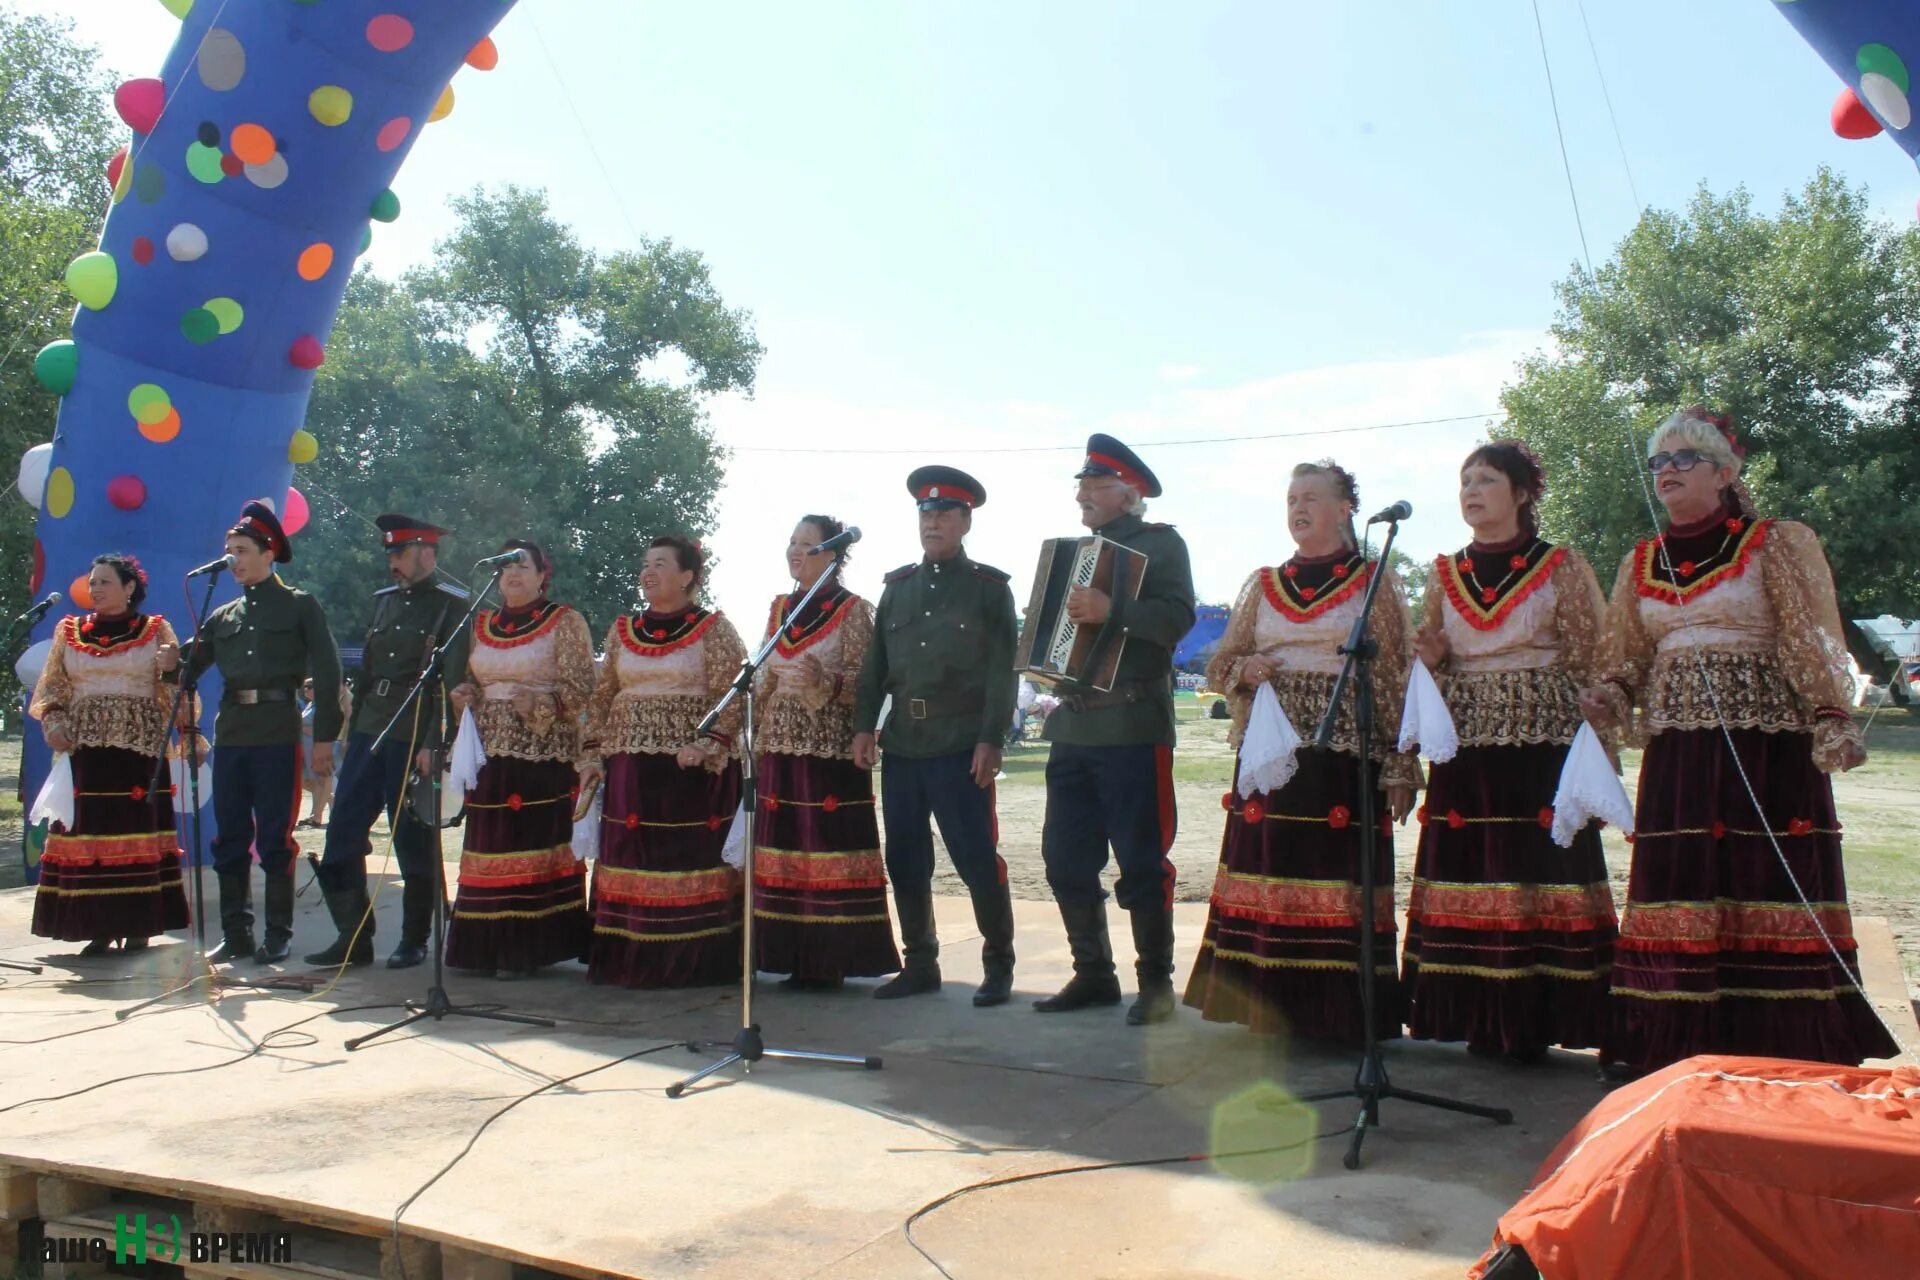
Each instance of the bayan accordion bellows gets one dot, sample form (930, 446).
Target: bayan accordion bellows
(1054, 649)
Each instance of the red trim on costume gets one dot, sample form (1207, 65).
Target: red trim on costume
(1122, 472)
(1163, 794)
(484, 633)
(1481, 617)
(1652, 587)
(642, 645)
(1280, 591)
(145, 633)
(946, 493)
(431, 537)
(787, 645)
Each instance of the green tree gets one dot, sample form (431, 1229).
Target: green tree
(1805, 325)
(514, 388)
(56, 136)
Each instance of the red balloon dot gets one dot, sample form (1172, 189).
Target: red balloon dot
(393, 133)
(127, 492)
(389, 33)
(115, 165)
(231, 165)
(142, 250)
(39, 568)
(307, 353)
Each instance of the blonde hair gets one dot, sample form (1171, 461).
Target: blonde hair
(1345, 488)
(1690, 431)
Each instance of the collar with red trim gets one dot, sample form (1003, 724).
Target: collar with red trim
(1485, 586)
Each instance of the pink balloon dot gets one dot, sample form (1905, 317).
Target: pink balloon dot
(389, 33)
(393, 133)
(307, 353)
(126, 492)
(294, 512)
(142, 250)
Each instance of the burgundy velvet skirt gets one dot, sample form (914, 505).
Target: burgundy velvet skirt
(116, 872)
(522, 898)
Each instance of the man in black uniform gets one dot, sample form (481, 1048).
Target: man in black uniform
(411, 618)
(1110, 772)
(943, 649)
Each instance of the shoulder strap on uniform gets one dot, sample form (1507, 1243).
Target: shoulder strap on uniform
(457, 592)
(904, 571)
(988, 571)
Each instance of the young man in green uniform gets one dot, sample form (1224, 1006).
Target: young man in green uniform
(266, 644)
(943, 649)
(411, 618)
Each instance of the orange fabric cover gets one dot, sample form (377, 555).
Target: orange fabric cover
(1735, 1168)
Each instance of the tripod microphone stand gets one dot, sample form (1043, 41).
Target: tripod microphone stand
(1370, 1082)
(747, 1047)
(437, 1006)
(202, 968)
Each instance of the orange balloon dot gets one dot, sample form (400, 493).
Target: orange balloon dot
(484, 56)
(81, 592)
(253, 144)
(164, 430)
(315, 261)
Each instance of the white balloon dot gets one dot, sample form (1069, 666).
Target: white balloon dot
(1886, 99)
(186, 243)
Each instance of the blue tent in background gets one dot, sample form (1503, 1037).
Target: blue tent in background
(1209, 624)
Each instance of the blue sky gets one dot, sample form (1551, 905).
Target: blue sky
(999, 225)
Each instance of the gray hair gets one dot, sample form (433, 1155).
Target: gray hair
(1136, 503)
(1687, 430)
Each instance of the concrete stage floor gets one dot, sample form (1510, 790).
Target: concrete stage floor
(800, 1169)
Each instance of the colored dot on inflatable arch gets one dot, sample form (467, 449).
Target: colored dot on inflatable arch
(232, 166)
(39, 568)
(80, 591)
(306, 352)
(1879, 60)
(386, 207)
(393, 133)
(484, 56)
(389, 33)
(208, 133)
(149, 183)
(269, 175)
(330, 105)
(93, 279)
(142, 399)
(222, 62)
(115, 167)
(203, 162)
(163, 431)
(186, 243)
(142, 250)
(178, 8)
(59, 498)
(444, 107)
(128, 493)
(366, 241)
(200, 326)
(57, 365)
(1885, 96)
(303, 448)
(315, 261)
(252, 143)
(228, 312)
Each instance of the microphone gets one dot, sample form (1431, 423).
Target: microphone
(39, 608)
(505, 558)
(212, 566)
(1394, 514)
(845, 538)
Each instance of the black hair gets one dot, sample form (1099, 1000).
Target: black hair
(128, 570)
(1523, 469)
(829, 528)
(541, 560)
(686, 552)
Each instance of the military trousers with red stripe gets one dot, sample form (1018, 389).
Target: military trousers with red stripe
(256, 795)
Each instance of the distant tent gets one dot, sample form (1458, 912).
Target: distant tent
(1209, 624)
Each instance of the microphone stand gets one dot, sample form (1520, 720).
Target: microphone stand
(747, 1047)
(437, 1005)
(1370, 1082)
(6, 647)
(202, 968)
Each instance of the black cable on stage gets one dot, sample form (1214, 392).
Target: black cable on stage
(265, 1043)
(1101, 1167)
(80, 1031)
(398, 1253)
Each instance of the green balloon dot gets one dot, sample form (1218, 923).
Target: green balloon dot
(366, 241)
(200, 325)
(1878, 59)
(226, 311)
(144, 395)
(56, 366)
(386, 207)
(149, 183)
(203, 162)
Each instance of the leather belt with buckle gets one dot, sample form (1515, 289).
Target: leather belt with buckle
(936, 708)
(249, 697)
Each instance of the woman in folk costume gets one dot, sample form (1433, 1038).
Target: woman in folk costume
(522, 901)
(1725, 655)
(1281, 949)
(819, 881)
(114, 873)
(666, 909)
(1509, 936)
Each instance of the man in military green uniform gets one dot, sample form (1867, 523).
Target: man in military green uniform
(943, 650)
(266, 644)
(1110, 771)
(411, 618)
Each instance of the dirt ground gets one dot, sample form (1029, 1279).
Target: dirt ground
(1877, 804)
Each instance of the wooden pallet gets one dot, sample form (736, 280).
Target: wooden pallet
(36, 1207)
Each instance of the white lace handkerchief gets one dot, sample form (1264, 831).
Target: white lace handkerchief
(1269, 749)
(1589, 789)
(1425, 723)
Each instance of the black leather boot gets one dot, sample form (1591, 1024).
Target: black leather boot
(1093, 981)
(919, 945)
(236, 918)
(354, 945)
(278, 941)
(416, 922)
(1153, 964)
(993, 913)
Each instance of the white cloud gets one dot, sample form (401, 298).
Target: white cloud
(1179, 372)
(1225, 497)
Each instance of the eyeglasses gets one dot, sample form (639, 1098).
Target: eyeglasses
(1679, 460)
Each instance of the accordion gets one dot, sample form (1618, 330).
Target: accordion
(1054, 649)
